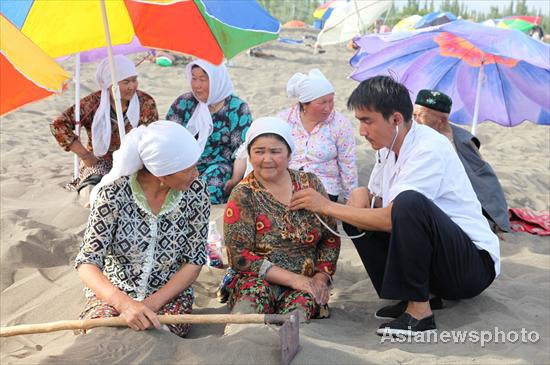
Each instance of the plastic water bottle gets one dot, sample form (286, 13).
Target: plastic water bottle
(214, 246)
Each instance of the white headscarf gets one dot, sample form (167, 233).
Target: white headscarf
(163, 147)
(266, 125)
(101, 125)
(308, 87)
(220, 87)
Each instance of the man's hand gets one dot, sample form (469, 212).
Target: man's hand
(309, 199)
(359, 198)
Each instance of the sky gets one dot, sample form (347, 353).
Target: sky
(485, 5)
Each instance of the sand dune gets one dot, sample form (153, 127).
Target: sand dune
(42, 224)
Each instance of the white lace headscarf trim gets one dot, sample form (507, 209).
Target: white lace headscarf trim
(101, 125)
(220, 87)
(308, 87)
(163, 147)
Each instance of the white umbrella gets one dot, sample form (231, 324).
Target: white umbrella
(350, 20)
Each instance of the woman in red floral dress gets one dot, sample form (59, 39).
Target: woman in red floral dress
(284, 260)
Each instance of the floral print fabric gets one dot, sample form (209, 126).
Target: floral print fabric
(259, 230)
(263, 299)
(328, 151)
(230, 125)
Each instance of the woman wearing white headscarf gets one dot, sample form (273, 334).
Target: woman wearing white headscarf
(145, 242)
(98, 117)
(324, 138)
(218, 118)
(284, 260)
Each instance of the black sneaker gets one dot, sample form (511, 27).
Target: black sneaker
(408, 326)
(395, 310)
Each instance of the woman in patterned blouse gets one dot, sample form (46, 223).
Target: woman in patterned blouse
(324, 138)
(98, 117)
(145, 242)
(219, 118)
(284, 259)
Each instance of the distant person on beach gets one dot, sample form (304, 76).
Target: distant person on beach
(218, 118)
(284, 260)
(145, 242)
(380, 27)
(324, 138)
(98, 117)
(432, 108)
(424, 230)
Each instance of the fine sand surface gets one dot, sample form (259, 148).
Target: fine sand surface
(42, 225)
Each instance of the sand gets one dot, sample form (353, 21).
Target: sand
(42, 225)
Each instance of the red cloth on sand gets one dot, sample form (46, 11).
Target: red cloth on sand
(530, 221)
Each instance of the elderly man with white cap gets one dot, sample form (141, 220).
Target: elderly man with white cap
(145, 242)
(324, 138)
(98, 117)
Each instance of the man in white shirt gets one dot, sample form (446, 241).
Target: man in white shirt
(425, 228)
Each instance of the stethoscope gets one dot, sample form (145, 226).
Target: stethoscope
(374, 196)
(383, 164)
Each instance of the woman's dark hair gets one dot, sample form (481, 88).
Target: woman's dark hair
(271, 135)
(383, 95)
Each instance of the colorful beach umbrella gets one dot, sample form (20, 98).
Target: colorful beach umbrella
(491, 74)
(406, 24)
(528, 18)
(351, 19)
(517, 24)
(323, 12)
(21, 81)
(435, 18)
(208, 29)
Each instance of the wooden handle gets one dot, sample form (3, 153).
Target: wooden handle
(87, 324)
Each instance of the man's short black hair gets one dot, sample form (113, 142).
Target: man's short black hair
(383, 95)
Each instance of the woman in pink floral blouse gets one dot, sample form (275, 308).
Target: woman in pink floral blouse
(323, 137)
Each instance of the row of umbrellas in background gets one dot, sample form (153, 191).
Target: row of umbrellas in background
(492, 73)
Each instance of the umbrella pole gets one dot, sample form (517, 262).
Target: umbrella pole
(359, 21)
(478, 94)
(116, 91)
(76, 109)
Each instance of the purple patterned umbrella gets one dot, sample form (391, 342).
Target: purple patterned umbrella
(491, 74)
